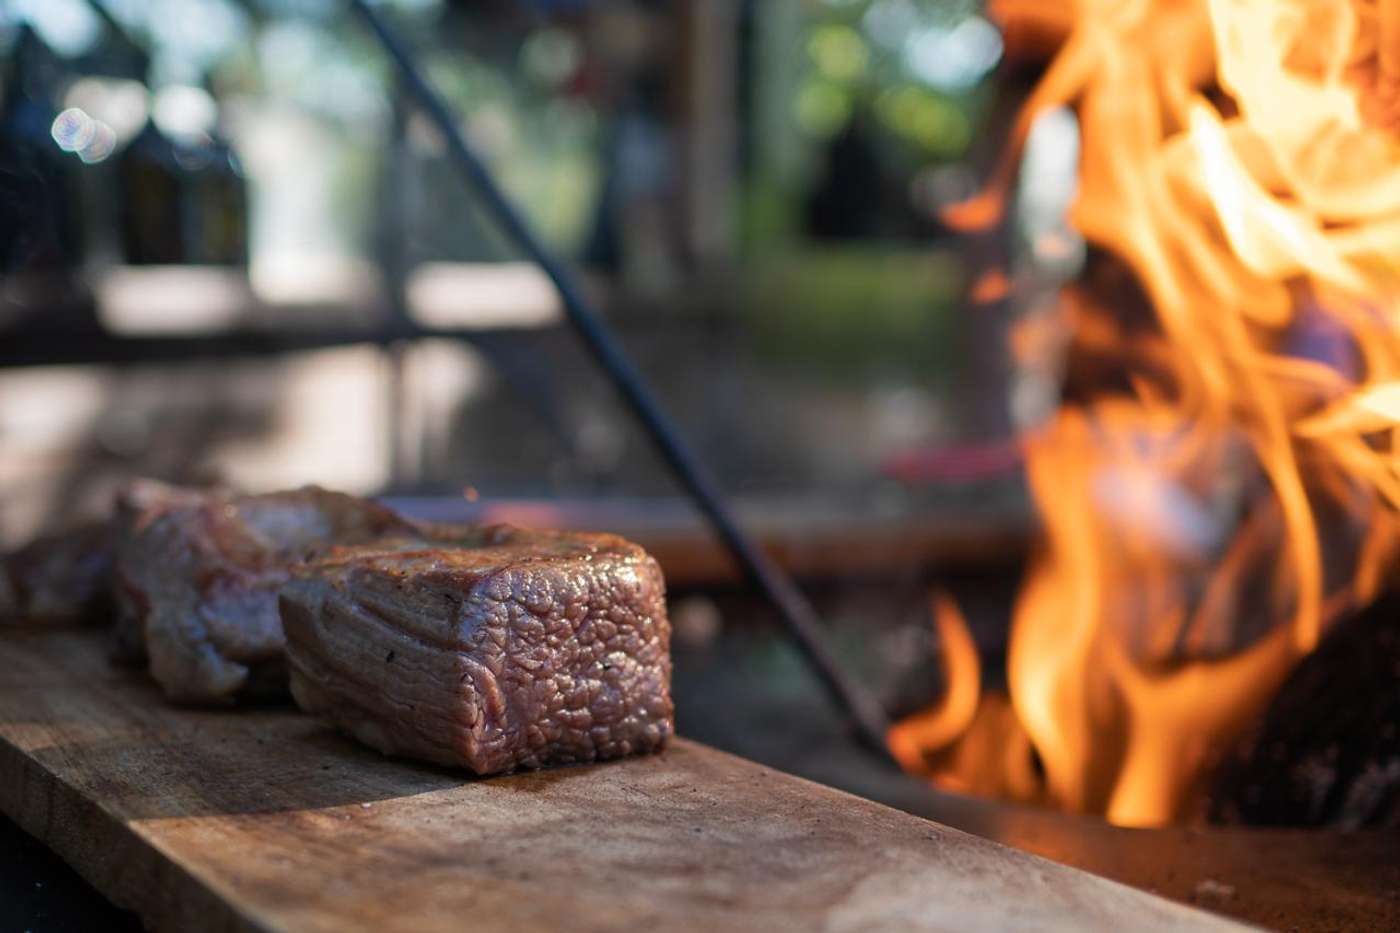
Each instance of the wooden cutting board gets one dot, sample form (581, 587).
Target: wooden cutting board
(264, 819)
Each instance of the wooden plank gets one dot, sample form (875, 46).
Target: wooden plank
(264, 819)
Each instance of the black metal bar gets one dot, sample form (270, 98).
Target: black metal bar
(796, 612)
(391, 249)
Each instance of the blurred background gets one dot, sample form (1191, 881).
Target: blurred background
(232, 250)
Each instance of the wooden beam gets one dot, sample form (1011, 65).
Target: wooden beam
(807, 539)
(264, 819)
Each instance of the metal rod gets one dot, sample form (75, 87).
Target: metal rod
(796, 612)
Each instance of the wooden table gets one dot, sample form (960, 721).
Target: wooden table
(264, 819)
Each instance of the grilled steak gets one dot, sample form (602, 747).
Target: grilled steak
(60, 577)
(67, 575)
(10, 603)
(137, 505)
(201, 579)
(504, 648)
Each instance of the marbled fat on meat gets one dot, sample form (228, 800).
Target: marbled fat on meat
(508, 649)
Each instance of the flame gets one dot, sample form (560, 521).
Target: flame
(962, 674)
(967, 738)
(1240, 158)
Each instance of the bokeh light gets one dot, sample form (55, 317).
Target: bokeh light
(69, 27)
(823, 108)
(957, 58)
(551, 56)
(123, 105)
(926, 118)
(183, 111)
(77, 132)
(839, 52)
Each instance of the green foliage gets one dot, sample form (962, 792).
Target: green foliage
(850, 312)
(854, 56)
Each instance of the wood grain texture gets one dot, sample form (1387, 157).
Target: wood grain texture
(264, 819)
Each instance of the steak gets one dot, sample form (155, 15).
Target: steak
(11, 608)
(138, 504)
(489, 648)
(67, 575)
(59, 577)
(199, 580)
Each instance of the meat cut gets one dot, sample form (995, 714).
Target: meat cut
(489, 648)
(59, 577)
(199, 579)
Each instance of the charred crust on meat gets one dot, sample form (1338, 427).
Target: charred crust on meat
(552, 648)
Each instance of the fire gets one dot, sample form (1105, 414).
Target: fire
(939, 726)
(990, 748)
(1240, 158)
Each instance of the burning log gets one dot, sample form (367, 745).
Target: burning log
(1221, 473)
(1374, 66)
(1327, 751)
(1389, 42)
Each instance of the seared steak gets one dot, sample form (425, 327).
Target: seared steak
(201, 578)
(10, 603)
(137, 505)
(503, 648)
(67, 575)
(60, 577)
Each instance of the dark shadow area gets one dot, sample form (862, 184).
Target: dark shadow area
(41, 894)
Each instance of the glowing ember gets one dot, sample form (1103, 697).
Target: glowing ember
(1239, 157)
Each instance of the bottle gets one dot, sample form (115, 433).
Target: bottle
(40, 230)
(183, 196)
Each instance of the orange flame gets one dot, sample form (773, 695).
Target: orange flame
(962, 674)
(967, 740)
(1238, 156)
